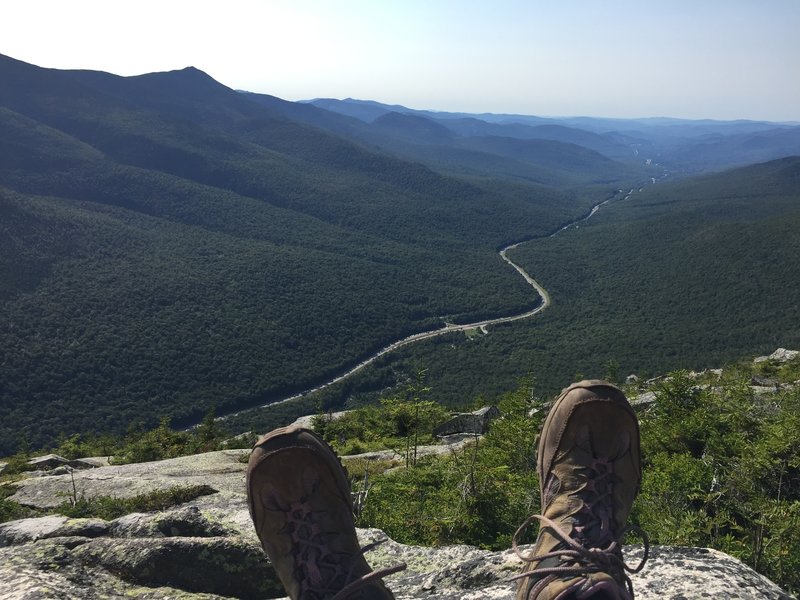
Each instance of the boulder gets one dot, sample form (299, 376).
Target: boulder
(231, 566)
(781, 355)
(79, 463)
(643, 400)
(48, 461)
(784, 355)
(183, 522)
(761, 381)
(29, 530)
(308, 420)
(76, 568)
(96, 461)
(53, 464)
(476, 422)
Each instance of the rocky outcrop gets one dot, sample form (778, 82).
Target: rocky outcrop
(781, 355)
(208, 549)
(54, 461)
(222, 470)
(308, 420)
(137, 557)
(476, 422)
(54, 557)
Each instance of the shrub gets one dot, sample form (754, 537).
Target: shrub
(478, 496)
(111, 507)
(10, 510)
(722, 469)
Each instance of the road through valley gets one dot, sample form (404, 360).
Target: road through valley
(451, 327)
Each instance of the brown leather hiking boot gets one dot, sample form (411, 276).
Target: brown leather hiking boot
(300, 503)
(589, 466)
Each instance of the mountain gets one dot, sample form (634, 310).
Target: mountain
(369, 110)
(713, 151)
(603, 144)
(169, 245)
(469, 146)
(684, 147)
(364, 110)
(414, 128)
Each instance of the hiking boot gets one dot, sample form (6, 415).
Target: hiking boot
(300, 503)
(589, 467)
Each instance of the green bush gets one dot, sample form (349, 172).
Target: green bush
(722, 469)
(111, 507)
(478, 496)
(10, 510)
(17, 464)
(671, 504)
(400, 424)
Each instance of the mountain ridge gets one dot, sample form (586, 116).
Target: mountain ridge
(662, 139)
(230, 218)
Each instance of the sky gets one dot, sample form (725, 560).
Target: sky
(720, 59)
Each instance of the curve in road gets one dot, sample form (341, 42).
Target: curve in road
(450, 328)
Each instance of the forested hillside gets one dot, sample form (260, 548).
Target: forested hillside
(168, 245)
(680, 275)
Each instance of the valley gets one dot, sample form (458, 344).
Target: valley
(543, 302)
(169, 246)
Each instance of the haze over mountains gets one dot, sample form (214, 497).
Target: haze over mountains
(169, 245)
(690, 146)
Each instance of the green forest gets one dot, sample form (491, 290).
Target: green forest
(682, 275)
(170, 246)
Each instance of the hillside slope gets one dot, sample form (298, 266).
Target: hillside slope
(680, 275)
(168, 245)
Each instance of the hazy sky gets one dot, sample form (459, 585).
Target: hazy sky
(721, 59)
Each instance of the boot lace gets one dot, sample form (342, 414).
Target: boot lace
(581, 560)
(594, 547)
(323, 574)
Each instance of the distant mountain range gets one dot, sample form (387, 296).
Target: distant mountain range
(169, 245)
(679, 144)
